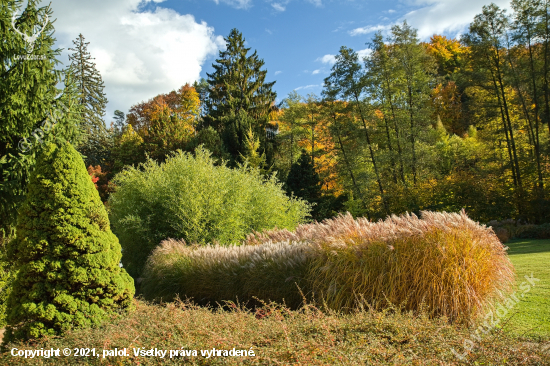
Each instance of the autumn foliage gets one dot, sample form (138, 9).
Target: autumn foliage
(166, 122)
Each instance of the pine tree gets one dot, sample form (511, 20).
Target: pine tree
(239, 98)
(93, 102)
(30, 110)
(66, 257)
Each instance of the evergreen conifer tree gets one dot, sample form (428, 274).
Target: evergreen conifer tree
(31, 112)
(95, 145)
(254, 159)
(304, 182)
(239, 98)
(66, 257)
(119, 123)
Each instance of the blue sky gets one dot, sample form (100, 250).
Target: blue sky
(146, 47)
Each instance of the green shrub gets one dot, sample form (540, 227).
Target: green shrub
(444, 263)
(66, 257)
(535, 232)
(6, 279)
(190, 198)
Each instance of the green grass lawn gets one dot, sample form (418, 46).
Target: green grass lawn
(531, 316)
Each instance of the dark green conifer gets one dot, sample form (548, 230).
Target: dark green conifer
(239, 98)
(31, 110)
(66, 257)
(95, 145)
(304, 182)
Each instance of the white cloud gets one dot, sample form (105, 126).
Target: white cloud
(239, 4)
(318, 3)
(368, 29)
(307, 87)
(364, 53)
(315, 72)
(278, 72)
(139, 54)
(327, 59)
(391, 11)
(278, 7)
(438, 16)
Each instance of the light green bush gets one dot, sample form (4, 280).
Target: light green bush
(192, 199)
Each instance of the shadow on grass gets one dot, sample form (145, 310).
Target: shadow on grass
(527, 246)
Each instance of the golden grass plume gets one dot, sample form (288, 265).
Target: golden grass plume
(444, 263)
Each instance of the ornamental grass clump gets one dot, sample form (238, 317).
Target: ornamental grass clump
(65, 257)
(214, 273)
(443, 262)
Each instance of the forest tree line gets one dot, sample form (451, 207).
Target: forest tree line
(439, 125)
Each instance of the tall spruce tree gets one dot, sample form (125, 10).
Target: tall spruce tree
(239, 98)
(95, 145)
(31, 110)
(119, 122)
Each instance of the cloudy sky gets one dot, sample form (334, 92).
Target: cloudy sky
(146, 47)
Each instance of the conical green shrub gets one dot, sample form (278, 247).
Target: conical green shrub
(66, 257)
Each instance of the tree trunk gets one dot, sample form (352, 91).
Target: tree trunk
(375, 166)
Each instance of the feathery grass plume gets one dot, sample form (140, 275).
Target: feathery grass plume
(213, 273)
(446, 261)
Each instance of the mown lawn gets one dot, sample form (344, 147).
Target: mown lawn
(279, 336)
(531, 316)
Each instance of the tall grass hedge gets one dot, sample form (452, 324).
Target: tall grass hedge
(190, 198)
(443, 263)
(215, 273)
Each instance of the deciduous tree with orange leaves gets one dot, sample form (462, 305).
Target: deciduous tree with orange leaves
(166, 122)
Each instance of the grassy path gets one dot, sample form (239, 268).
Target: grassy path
(531, 316)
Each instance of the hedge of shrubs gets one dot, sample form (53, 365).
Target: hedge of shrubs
(511, 229)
